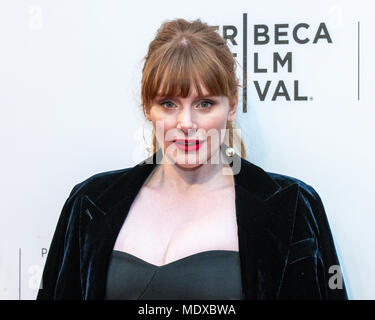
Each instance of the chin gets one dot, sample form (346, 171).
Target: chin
(189, 160)
(186, 161)
(187, 167)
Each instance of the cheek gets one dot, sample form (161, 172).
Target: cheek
(214, 125)
(166, 125)
(215, 121)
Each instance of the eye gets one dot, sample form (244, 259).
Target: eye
(164, 103)
(208, 104)
(205, 104)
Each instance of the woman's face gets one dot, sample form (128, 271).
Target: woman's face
(192, 118)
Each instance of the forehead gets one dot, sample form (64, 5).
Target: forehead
(192, 91)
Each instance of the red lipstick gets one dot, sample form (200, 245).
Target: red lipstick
(188, 144)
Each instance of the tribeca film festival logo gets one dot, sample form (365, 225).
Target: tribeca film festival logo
(279, 35)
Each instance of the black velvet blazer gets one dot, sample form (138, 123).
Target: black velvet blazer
(285, 242)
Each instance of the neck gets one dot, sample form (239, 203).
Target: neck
(205, 177)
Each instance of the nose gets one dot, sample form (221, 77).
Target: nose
(185, 120)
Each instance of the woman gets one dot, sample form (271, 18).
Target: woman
(195, 220)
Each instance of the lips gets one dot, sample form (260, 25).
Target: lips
(186, 141)
(187, 145)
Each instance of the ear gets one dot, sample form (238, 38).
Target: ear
(233, 110)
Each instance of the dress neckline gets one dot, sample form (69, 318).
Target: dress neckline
(194, 255)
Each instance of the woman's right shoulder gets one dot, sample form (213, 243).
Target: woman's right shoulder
(97, 182)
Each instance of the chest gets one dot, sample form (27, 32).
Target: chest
(161, 228)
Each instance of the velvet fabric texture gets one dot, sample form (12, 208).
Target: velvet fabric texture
(285, 242)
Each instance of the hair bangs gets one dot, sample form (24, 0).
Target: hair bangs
(184, 66)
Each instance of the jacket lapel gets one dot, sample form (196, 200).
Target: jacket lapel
(264, 231)
(265, 218)
(265, 215)
(102, 219)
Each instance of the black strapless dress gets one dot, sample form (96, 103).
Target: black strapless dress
(210, 275)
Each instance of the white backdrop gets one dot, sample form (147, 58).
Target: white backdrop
(70, 92)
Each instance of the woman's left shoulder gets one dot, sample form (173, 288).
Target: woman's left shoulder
(276, 182)
(310, 215)
(304, 188)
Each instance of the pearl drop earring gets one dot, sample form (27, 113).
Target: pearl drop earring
(230, 152)
(148, 147)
